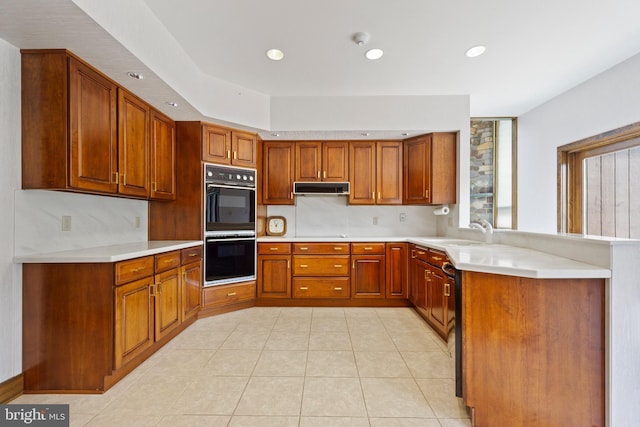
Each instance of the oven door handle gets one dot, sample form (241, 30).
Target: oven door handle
(228, 239)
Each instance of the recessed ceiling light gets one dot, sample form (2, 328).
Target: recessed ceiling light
(475, 51)
(172, 104)
(365, 134)
(374, 53)
(405, 133)
(275, 54)
(135, 75)
(275, 134)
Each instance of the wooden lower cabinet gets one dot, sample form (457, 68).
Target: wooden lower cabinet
(396, 280)
(86, 325)
(226, 296)
(368, 270)
(274, 270)
(430, 290)
(533, 350)
(321, 287)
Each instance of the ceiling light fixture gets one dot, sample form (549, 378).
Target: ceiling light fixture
(365, 134)
(474, 51)
(374, 54)
(360, 38)
(172, 104)
(275, 134)
(274, 54)
(135, 75)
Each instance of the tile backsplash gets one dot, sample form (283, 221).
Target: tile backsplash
(329, 216)
(95, 221)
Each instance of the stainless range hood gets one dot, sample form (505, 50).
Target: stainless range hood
(321, 188)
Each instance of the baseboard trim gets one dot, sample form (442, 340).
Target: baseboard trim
(11, 388)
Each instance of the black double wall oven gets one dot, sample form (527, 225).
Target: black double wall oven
(230, 225)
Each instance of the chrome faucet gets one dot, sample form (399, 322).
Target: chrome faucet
(485, 227)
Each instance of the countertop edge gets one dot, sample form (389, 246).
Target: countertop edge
(106, 254)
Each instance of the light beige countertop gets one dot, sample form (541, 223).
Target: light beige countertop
(483, 257)
(111, 253)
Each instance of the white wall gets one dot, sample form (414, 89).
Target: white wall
(10, 274)
(606, 102)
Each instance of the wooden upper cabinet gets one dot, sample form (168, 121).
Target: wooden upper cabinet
(228, 147)
(133, 145)
(389, 173)
(430, 169)
(93, 150)
(278, 173)
(243, 149)
(163, 157)
(216, 144)
(375, 170)
(362, 173)
(322, 161)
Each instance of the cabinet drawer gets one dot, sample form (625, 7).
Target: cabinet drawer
(127, 271)
(167, 261)
(368, 248)
(328, 265)
(274, 248)
(321, 248)
(420, 253)
(191, 254)
(436, 258)
(223, 295)
(314, 287)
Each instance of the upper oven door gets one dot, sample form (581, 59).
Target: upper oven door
(229, 208)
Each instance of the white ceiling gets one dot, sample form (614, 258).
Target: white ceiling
(535, 50)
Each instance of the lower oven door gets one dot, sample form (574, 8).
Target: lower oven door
(229, 260)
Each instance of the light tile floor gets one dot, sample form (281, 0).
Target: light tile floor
(307, 367)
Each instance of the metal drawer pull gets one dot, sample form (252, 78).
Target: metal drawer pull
(368, 248)
(447, 290)
(303, 266)
(337, 289)
(273, 249)
(337, 265)
(136, 270)
(192, 254)
(437, 258)
(231, 294)
(304, 249)
(337, 248)
(303, 288)
(170, 260)
(421, 252)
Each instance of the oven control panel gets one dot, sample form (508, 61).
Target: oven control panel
(215, 174)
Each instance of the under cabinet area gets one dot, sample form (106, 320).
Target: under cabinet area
(86, 325)
(84, 133)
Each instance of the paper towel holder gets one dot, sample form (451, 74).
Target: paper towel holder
(442, 210)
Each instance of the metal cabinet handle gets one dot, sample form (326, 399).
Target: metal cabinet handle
(304, 248)
(437, 258)
(447, 290)
(337, 248)
(337, 289)
(273, 249)
(192, 254)
(337, 265)
(368, 248)
(303, 288)
(304, 265)
(137, 270)
(231, 294)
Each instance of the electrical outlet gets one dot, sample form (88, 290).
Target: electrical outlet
(403, 217)
(137, 222)
(66, 223)
(375, 220)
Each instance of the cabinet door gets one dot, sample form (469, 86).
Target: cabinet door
(420, 285)
(168, 308)
(389, 173)
(396, 266)
(191, 289)
(436, 300)
(274, 276)
(443, 168)
(335, 161)
(243, 147)
(367, 276)
(362, 173)
(308, 161)
(278, 173)
(133, 145)
(134, 320)
(216, 145)
(416, 170)
(163, 157)
(93, 161)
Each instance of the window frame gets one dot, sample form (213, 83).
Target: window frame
(570, 171)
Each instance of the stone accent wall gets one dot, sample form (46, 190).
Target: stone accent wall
(482, 159)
